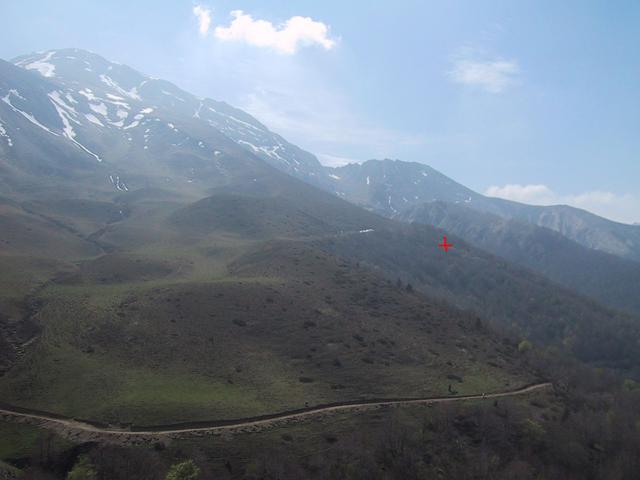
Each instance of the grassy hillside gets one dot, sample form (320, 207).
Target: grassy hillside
(268, 295)
(221, 308)
(240, 304)
(512, 297)
(285, 326)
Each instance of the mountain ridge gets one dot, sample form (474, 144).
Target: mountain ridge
(393, 185)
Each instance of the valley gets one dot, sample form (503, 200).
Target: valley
(179, 282)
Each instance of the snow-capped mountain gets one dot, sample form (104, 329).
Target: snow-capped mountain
(108, 111)
(114, 91)
(392, 186)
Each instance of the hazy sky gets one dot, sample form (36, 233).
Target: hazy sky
(537, 101)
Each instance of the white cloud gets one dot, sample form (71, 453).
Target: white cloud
(534, 194)
(285, 38)
(204, 18)
(491, 75)
(622, 208)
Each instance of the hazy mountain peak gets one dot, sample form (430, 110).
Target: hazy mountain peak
(75, 66)
(96, 104)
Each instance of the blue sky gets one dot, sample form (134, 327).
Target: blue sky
(536, 101)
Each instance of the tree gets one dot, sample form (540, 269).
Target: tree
(534, 431)
(524, 346)
(186, 470)
(115, 462)
(82, 470)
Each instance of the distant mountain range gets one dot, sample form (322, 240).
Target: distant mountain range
(393, 187)
(87, 96)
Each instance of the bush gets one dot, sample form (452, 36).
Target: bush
(524, 346)
(533, 431)
(82, 470)
(186, 470)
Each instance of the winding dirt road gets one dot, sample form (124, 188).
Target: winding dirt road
(248, 424)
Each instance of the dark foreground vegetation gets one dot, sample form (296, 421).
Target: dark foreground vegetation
(587, 427)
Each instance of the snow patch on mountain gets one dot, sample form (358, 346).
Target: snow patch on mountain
(119, 184)
(7, 99)
(41, 65)
(272, 152)
(3, 133)
(236, 120)
(197, 113)
(390, 205)
(119, 103)
(67, 114)
(99, 108)
(88, 94)
(122, 115)
(133, 93)
(269, 151)
(93, 119)
(136, 121)
(169, 94)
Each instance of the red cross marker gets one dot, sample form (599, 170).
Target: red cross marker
(444, 245)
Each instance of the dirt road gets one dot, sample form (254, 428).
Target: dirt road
(70, 425)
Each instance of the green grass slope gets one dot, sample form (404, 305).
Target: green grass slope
(510, 296)
(287, 325)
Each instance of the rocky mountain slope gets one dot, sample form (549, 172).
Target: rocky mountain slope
(109, 113)
(391, 187)
(607, 278)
